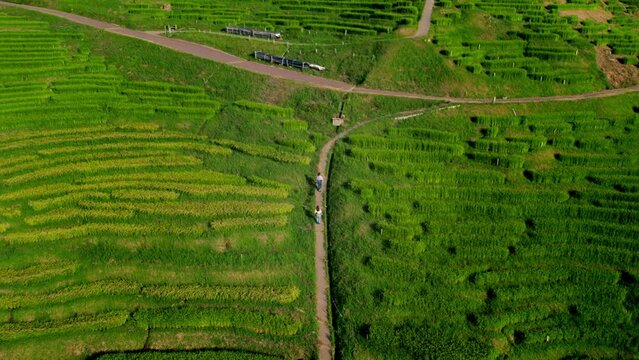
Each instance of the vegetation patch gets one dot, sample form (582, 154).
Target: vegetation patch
(111, 213)
(474, 248)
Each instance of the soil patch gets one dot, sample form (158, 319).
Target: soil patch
(597, 15)
(618, 74)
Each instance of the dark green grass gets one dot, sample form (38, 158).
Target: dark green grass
(409, 296)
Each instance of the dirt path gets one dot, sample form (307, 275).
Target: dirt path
(276, 71)
(424, 22)
(321, 265)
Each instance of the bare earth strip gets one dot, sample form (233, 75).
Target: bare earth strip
(424, 22)
(216, 55)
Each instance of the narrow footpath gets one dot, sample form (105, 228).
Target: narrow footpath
(424, 22)
(321, 265)
(275, 71)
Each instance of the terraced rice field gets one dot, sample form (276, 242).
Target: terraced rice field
(354, 17)
(121, 231)
(535, 40)
(289, 16)
(46, 84)
(485, 236)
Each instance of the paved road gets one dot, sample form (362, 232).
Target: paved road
(424, 22)
(276, 71)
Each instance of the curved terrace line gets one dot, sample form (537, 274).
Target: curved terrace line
(209, 53)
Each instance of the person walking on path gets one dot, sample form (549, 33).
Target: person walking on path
(318, 214)
(319, 180)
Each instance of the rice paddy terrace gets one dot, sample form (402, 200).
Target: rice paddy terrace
(536, 40)
(145, 218)
(133, 217)
(355, 17)
(484, 236)
(478, 49)
(293, 16)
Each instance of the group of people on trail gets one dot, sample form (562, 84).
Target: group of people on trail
(319, 180)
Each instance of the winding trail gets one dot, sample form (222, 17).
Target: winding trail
(321, 265)
(206, 52)
(275, 71)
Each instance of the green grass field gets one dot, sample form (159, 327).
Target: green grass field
(154, 205)
(481, 49)
(152, 201)
(135, 214)
(489, 232)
